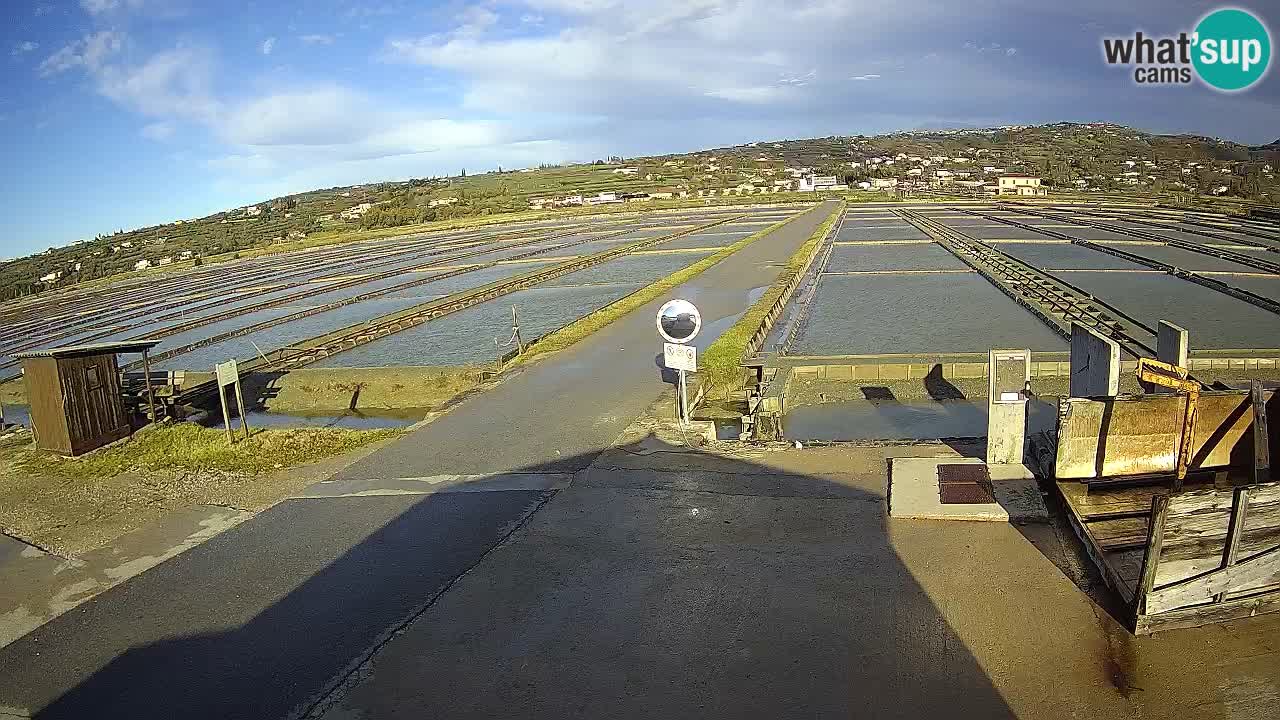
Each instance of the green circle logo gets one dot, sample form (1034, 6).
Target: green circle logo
(1232, 49)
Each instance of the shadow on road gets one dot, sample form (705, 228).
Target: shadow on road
(707, 587)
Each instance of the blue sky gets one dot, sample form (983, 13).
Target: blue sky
(122, 113)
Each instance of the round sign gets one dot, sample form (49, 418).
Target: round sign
(679, 321)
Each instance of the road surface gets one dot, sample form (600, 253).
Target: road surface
(257, 622)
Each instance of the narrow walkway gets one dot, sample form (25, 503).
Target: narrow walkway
(256, 622)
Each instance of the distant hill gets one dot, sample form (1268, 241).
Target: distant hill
(1074, 156)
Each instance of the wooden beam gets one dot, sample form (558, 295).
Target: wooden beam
(1260, 604)
(151, 398)
(1198, 589)
(1151, 556)
(1261, 439)
(1239, 513)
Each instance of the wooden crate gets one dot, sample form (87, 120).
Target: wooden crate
(1185, 559)
(1205, 553)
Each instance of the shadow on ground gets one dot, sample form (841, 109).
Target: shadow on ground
(722, 590)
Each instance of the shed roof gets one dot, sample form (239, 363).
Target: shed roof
(125, 346)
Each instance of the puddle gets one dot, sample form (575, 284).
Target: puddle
(17, 415)
(903, 420)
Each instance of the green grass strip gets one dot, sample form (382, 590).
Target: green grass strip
(721, 364)
(588, 324)
(187, 446)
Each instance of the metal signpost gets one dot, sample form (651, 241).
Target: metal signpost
(678, 323)
(229, 374)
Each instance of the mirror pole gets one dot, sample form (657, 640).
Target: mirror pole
(683, 399)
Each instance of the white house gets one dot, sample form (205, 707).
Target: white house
(142, 265)
(604, 198)
(167, 260)
(1019, 185)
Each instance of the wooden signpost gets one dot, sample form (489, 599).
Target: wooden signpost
(229, 375)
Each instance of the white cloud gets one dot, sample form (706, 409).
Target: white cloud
(871, 76)
(43, 10)
(612, 58)
(757, 94)
(24, 47)
(158, 131)
(171, 83)
(97, 7)
(316, 39)
(328, 115)
(268, 45)
(90, 52)
(100, 7)
(994, 47)
(799, 80)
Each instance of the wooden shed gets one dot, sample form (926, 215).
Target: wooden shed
(75, 395)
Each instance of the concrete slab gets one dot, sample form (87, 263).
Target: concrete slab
(39, 586)
(913, 493)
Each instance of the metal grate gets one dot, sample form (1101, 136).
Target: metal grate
(966, 484)
(963, 473)
(965, 494)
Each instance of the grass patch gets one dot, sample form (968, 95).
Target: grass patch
(190, 447)
(588, 324)
(720, 365)
(334, 389)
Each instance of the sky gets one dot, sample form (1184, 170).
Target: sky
(116, 114)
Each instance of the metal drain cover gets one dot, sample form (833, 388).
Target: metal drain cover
(963, 473)
(966, 484)
(965, 494)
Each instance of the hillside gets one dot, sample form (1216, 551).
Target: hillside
(1095, 157)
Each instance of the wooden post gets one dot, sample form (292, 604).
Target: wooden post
(151, 398)
(1261, 438)
(1151, 555)
(1185, 445)
(515, 331)
(1239, 511)
(226, 416)
(244, 418)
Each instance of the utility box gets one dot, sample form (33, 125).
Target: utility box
(1008, 375)
(75, 395)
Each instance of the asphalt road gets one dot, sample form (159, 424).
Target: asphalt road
(257, 622)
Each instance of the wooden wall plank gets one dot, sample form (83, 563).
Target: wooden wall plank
(1143, 433)
(1264, 567)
